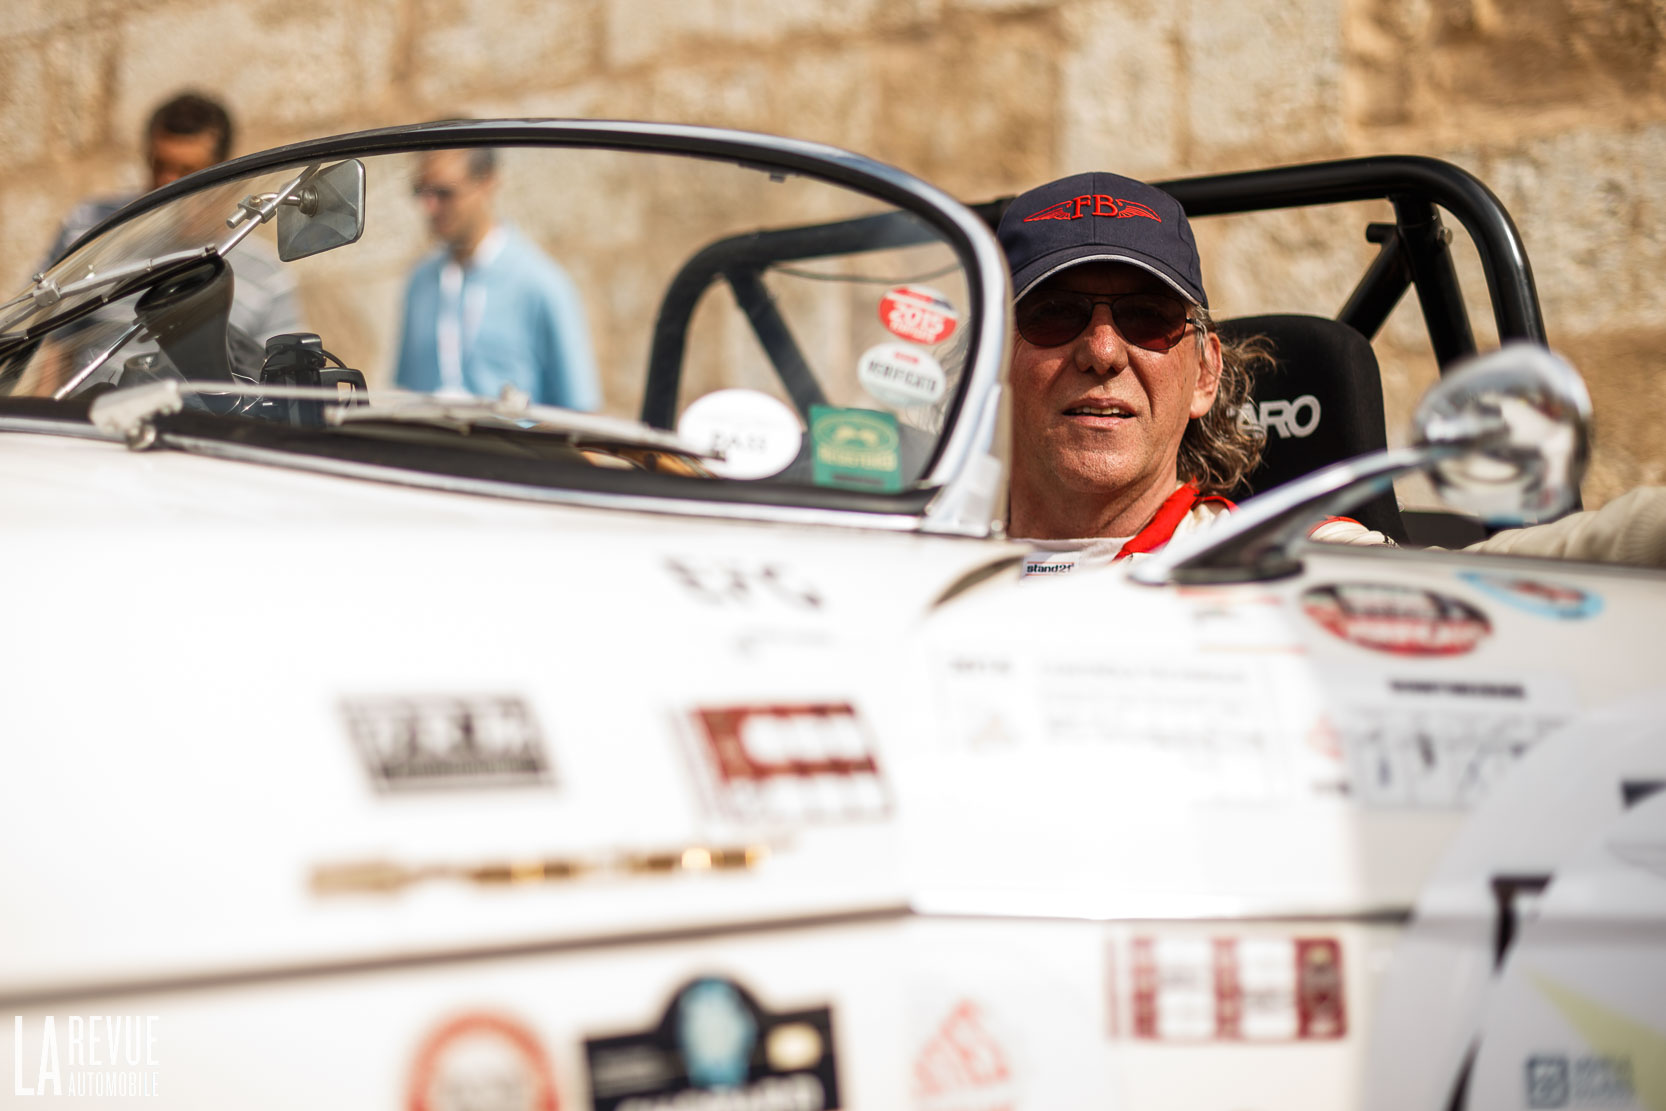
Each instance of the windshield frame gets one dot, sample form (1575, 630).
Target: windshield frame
(938, 498)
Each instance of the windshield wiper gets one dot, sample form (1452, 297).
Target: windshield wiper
(131, 413)
(131, 277)
(513, 409)
(45, 292)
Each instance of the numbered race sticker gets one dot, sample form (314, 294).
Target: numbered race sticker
(918, 313)
(901, 376)
(717, 1048)
(757, 435)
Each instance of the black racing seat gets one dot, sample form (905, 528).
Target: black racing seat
(1323, 402)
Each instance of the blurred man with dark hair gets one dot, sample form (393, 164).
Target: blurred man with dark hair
(487, 308)
(186, 133)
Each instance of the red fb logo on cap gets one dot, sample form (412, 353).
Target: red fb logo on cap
(1094, 204)
(918, 313)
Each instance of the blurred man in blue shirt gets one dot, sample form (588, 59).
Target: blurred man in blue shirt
(487, 308)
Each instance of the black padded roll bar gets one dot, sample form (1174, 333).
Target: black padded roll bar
(1414, 254)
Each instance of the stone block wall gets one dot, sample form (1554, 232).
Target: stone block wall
(1559, 105)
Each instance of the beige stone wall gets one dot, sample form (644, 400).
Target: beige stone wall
(1560, 105)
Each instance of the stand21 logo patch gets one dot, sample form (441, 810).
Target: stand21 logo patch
(715, 1049)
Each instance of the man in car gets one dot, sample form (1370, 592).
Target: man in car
(186, 133)
(487, 308)
(1125, 402)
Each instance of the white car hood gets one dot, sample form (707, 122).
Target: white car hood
(191, 630)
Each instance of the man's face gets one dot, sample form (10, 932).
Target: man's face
(458, 205)
(1097, 416)
(173, 156)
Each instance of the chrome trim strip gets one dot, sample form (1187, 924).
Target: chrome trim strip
(1166, 907)
(246, 977)
(588, 499)
(881, 915)
(78, 429)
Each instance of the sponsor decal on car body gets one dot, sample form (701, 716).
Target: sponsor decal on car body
(1538, 596)
(418, 742)
(1249, 989)
(482, 1062)
(811, 762)
(1401, 620)
(716, 1049)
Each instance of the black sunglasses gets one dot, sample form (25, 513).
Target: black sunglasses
(1054, 317)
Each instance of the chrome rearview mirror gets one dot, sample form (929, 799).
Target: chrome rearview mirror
(1526, 415)
(325, 213)
(1504, 436)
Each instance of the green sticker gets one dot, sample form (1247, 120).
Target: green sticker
(856, 449)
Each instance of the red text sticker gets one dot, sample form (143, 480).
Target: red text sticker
(918, 313)
(1251, 989)
(963, 1066)
(791, 763)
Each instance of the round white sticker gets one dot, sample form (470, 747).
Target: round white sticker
(899, 375)
(757, 435)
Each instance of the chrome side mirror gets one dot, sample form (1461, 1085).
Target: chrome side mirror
(1526, 414)
(325, 213)
(1505, 436)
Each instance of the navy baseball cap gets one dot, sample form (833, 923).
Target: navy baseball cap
(1098, 217)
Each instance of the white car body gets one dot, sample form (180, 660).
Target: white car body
(1022, 844)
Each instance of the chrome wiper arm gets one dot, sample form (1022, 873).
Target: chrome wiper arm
(46, 292)
(513, 409)
(252, 211)
(130, 413)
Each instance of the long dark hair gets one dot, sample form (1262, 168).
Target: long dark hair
(1221, 448)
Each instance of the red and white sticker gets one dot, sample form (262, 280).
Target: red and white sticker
(1249, 989)
(901, 376)
(918, 313)
(963, 1066)
(790, 763)
(482, 1062)
(1399, 619)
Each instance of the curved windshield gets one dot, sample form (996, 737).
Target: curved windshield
(648, 311)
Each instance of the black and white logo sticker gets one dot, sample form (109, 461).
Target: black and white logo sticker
(900, 376)
(424, 741)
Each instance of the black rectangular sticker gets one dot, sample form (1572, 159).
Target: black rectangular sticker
(715, 1049)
